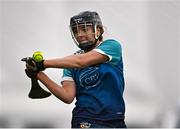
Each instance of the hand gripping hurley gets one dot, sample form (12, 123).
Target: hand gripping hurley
(36, 91)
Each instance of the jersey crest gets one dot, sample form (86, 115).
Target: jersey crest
(89, 77)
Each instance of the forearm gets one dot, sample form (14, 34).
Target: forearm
(66, 62)
(57, 90)
(77, 61)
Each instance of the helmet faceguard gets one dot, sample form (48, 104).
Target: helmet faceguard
(83, 22)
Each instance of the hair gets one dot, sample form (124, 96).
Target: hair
(101, 31)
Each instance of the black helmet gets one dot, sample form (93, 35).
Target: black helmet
(86, 17)
(83, 18)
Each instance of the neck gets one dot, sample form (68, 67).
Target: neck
(97, 43)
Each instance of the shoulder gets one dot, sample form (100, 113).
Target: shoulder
(110, 48)
(111, 42)
(110, 45)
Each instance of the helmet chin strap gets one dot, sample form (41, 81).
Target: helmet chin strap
(90, 44)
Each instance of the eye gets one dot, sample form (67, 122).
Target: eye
(88, 27)
(74, 30)
(84, 29)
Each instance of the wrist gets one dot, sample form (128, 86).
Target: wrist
(40, 65)
(39, 74)
(44, 64)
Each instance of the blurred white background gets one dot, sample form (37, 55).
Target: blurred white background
(149, 31)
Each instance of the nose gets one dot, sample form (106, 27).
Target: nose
(81, 33)
(82, 38)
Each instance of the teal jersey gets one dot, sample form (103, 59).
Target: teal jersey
(99, 88)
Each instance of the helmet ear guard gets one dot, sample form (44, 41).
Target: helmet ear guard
(85, 18)
(99, 36)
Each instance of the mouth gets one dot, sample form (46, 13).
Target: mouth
(84, 41)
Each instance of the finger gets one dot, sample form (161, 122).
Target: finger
(29, 66)
(31, 62)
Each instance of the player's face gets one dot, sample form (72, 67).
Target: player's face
(83, 33)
